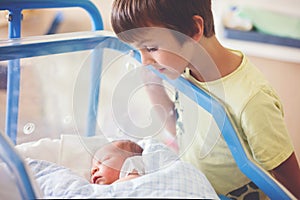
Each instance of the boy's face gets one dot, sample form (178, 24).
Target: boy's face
(107, 164)
(161, 49)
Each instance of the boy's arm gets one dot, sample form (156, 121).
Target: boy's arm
(288, 174)
(158, 96)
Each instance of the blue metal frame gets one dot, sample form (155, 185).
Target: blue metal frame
(89, 40)
(15, 8)
(17, 168)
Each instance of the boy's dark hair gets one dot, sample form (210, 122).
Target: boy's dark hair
(172, 14)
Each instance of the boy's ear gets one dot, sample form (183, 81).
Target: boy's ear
(199, 23)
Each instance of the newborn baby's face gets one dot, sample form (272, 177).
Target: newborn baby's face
(107, 164)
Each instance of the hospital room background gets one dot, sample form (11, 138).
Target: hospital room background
(52, 98)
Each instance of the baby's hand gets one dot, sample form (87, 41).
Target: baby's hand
(132, 175)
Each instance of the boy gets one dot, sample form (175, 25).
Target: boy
(178, 38)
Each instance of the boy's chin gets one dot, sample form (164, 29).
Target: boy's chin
(172, 76)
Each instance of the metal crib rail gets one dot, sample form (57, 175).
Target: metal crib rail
(218, 110)
(40, 46)
(17, 168)
(50, 44)
(63, 43)
(15, 8)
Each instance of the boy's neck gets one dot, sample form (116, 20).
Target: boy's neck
(224, 61)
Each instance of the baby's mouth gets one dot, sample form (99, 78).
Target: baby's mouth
(96, 178)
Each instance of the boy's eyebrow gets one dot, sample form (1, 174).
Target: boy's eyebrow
(140, 43)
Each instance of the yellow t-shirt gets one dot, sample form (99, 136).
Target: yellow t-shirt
(259, 115)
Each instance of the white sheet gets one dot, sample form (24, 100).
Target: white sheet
(177, 180)
(166, 175)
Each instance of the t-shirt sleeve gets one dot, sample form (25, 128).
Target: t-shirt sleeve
(263, 123)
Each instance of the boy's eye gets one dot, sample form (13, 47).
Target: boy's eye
(151, 49)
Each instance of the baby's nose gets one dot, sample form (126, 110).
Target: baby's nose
(94, 170)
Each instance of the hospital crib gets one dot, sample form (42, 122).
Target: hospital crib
(14, 50)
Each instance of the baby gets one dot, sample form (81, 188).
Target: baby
(109, 159)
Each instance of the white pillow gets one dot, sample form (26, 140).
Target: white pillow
(76, 152)
(72, 151)
(43, 149)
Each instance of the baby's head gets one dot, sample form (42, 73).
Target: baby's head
(108, 160)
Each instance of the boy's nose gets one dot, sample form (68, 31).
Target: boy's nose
(146, 58)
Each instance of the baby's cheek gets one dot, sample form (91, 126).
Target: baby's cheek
(114, 174)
